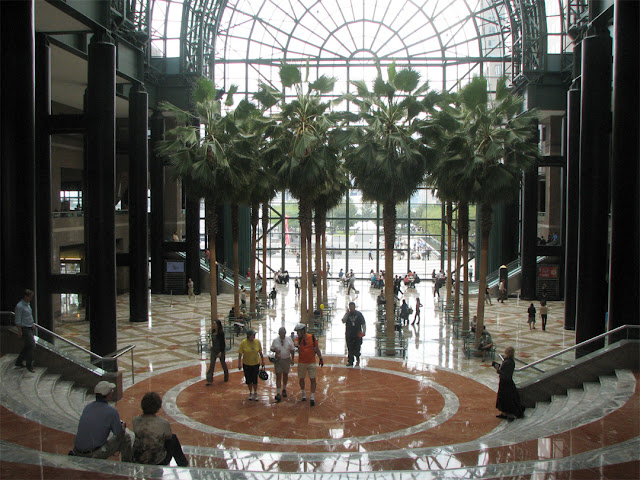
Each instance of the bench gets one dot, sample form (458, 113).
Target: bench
(204, 342)
(391, 347)
(470, 347)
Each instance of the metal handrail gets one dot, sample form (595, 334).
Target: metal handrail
(116, 354)
(581, 344)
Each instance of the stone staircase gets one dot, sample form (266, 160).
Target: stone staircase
(565, 412)
(53, 402)
(41, 397)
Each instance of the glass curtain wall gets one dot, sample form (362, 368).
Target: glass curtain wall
(355, 236)
(244, 42)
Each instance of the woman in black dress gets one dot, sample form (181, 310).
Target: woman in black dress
(508, 401)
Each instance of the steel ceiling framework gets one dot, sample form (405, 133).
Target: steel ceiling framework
(520, 25)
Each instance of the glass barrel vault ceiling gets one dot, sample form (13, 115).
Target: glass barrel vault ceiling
(448, 41)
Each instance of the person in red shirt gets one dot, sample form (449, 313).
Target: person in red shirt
(307, 350)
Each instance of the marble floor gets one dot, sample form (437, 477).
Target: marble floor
(428, 415)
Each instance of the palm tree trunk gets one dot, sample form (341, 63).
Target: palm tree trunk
(310, 268)
(389, 222)
(235, 232)
(303, 215)
(463, 215)
(319, 269)
(254, 236)
(456, 299)
(212, 230)
(265, 227)
(323, 225)
(485, 227)
(449, 250)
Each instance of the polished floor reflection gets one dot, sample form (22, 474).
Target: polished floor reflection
(429, 415)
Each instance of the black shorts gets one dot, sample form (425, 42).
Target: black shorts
(251, 373)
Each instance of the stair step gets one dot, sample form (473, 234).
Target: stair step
(15, 382)
(78, 400)
(62, 390)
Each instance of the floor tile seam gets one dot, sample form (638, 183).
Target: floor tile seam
(588, 460)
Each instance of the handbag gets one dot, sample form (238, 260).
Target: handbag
(272, 359)
(263, 374)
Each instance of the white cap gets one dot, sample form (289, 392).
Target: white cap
(300, 326)
(104, 388)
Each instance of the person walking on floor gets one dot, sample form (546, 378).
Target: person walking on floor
(97, 421)
(503, 292)
(190, 289)
(250, 359)
(218, 348)
(155, 444)
(487, 296)
(416, 317)
(26, 330)
(352, 284)
(544, 310)
(404, 313)
(307, 350)
(355, 330)
(284, 354)
(532, 316)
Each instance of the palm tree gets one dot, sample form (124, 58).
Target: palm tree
(201, 161)
(262, 191)
(241, 133)
(449, 177)
(388, 162)
(301, 155)
(329, 196)
(499, 135)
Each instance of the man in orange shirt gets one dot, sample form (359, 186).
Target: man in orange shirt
(307, 350)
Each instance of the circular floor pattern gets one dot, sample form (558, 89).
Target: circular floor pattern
(386, 406)
(349, 403)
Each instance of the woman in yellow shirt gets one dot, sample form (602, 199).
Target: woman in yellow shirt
(250, 358)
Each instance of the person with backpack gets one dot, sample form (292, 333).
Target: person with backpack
(404, 313)
(307, 350)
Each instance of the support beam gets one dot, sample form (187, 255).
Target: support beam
(17, 168)
(624, 283)
(595, 127)
(100, 205)
(138, 185)
(43, 221)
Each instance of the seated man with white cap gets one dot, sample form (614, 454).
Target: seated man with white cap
(98, 421)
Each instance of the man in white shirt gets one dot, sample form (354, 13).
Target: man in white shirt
(284, 351)
(24, 322)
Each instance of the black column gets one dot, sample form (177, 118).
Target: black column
(100, 215)
(43, 183)
(595, 126)
(529, 233)
(624, 284)
(156, 181)
(192, 244)
(17, 185)
(572, 207)
(138, 184)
